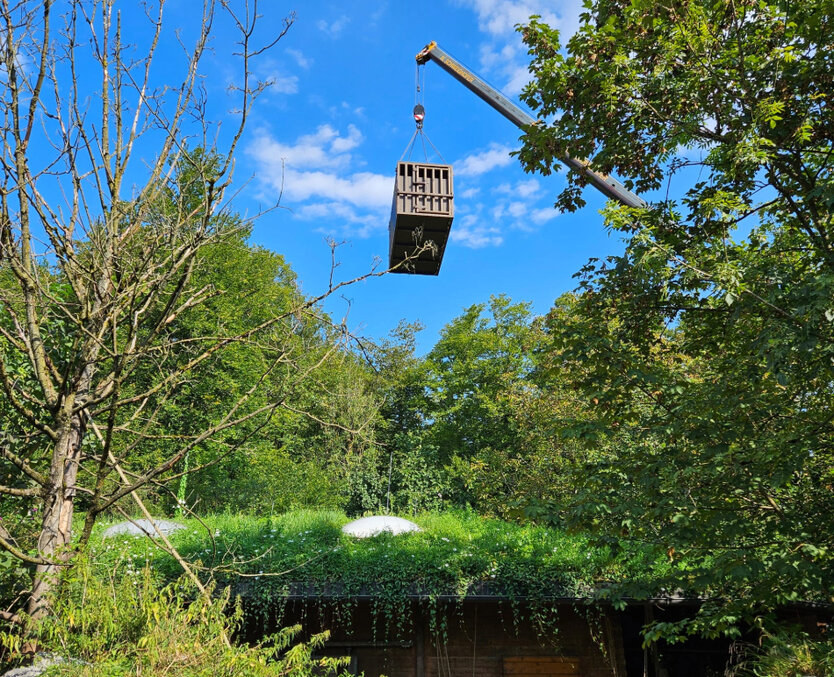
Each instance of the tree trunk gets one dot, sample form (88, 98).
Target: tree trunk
(58, 505)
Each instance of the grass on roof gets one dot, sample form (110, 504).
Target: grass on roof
(457, 553)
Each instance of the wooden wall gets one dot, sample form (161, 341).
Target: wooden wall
(481, 641)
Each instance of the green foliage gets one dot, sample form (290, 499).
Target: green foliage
(419, 480)
(247, 286)
(13, 578)
(123, 622)
(275, 482)
(469, 424)
(469, 373)
(305, 553)
(365, 482)
(281, 368)
(704, 353)
(787, 654)
(214, 364)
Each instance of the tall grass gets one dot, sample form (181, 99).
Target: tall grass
(127, 624)
(788, 654)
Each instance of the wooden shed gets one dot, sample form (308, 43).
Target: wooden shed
(489, 635)
(476, 636)
(421, 217)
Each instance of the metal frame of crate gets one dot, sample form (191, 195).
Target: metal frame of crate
(421, 217)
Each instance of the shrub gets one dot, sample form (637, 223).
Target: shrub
(125, 623)
(788, 654)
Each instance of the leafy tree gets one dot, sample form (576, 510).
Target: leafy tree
(707, 348)
(466, 422)
(325, 419)
(468, 373)
(85, 315)
(248, 285)
(115, 303)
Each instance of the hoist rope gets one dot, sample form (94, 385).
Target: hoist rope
(409, 149)
(419, 84)
(419, 113)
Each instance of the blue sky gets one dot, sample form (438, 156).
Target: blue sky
(338, 118)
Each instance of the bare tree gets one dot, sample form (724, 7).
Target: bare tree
(98, 243)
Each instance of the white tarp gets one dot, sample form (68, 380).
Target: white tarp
(376, 524)
(142, 527)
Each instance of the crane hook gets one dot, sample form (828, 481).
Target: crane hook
(419, 114)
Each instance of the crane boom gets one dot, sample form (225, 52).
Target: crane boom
(608, 185)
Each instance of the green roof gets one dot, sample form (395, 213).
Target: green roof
(457, 553)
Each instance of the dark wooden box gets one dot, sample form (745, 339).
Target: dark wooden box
(421, 217)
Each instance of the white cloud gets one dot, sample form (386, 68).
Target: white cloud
(284, 84)
(529, 188)
(362, 189)
(495, 57)
(503, 55)
(335, 27)
(526, 189)
(540, 216)
(279, 77)
(512, 206)
(495, 156)
(472, 231)
(499, 17)
(329, 210)
(469, 193)
(517, 79)
(300, 58)
(517, 209)
(317, 178)
(342, 144)
(507, 61)
(324, 149)
(351, 221)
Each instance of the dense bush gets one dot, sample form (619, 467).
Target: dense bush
(787, 654)
(124, 622)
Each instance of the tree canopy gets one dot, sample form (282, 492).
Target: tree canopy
(707, 347)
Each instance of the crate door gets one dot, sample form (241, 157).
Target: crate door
(432, 190)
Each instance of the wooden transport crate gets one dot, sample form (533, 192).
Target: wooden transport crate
(421, 216)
